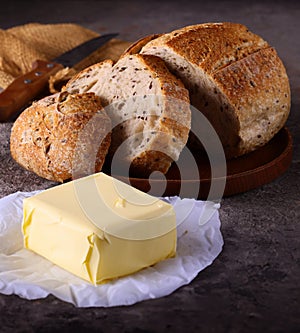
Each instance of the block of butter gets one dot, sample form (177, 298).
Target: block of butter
(99, 228)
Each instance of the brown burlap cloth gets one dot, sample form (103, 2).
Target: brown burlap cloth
(20, 46)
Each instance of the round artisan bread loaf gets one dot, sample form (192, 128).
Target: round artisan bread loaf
(235, 78)
(62, 136)
(149, 108)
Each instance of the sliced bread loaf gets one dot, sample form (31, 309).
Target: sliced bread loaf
(149, 108)
(234, 78)
(62, 136)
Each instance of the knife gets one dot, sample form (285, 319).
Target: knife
(24, 89)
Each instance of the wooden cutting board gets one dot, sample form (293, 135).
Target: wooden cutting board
(243, 174)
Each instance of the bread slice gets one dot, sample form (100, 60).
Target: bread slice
(88, 78)
(62, 136)
(234, 78)
(149, 108)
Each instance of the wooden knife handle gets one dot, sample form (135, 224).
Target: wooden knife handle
(25, 89)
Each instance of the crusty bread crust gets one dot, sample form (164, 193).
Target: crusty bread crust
(257, 87)
(137, 46)
(234, 78)
(211, 46)
(55, 137)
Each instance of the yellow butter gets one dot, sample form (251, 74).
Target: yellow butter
(99, 228)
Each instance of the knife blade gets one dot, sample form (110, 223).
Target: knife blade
(25, 88)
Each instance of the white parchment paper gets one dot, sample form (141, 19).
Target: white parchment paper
(31, 276)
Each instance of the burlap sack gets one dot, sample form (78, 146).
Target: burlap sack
(20, 46)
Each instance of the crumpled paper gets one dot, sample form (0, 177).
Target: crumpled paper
(30, 276)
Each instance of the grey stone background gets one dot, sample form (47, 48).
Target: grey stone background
(253, 286)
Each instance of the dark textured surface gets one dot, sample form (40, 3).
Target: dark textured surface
(253, 286)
